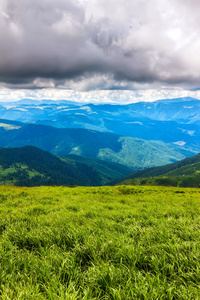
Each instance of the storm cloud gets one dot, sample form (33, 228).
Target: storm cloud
(100, 44)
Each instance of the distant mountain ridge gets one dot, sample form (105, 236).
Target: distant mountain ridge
(168, 120)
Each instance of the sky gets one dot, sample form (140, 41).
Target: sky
(99, 50)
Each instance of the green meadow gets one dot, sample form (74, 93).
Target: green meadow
(122, 242)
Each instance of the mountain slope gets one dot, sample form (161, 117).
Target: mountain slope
(183, 173)
(106, 170)
(30, 166)
(107, 146)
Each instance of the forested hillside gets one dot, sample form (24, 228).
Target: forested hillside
(30, 166)
(185, 173)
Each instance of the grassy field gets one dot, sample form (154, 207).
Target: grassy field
(99, 243)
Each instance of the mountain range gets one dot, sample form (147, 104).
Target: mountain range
(31, 166)
(139, 135)
(170, 120)
(133, 152)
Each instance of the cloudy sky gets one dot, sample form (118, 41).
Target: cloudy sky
(99, 50)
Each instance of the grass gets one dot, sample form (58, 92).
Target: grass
(99, 243)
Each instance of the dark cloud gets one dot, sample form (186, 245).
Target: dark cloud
(106, 43)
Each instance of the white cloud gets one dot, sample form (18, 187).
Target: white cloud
(98, 96)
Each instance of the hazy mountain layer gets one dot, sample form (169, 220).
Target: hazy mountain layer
(129, 151)
(170, 120)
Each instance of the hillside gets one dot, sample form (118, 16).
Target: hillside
(30, 166)
(185, 173)
(107, 169)
(133, 152)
